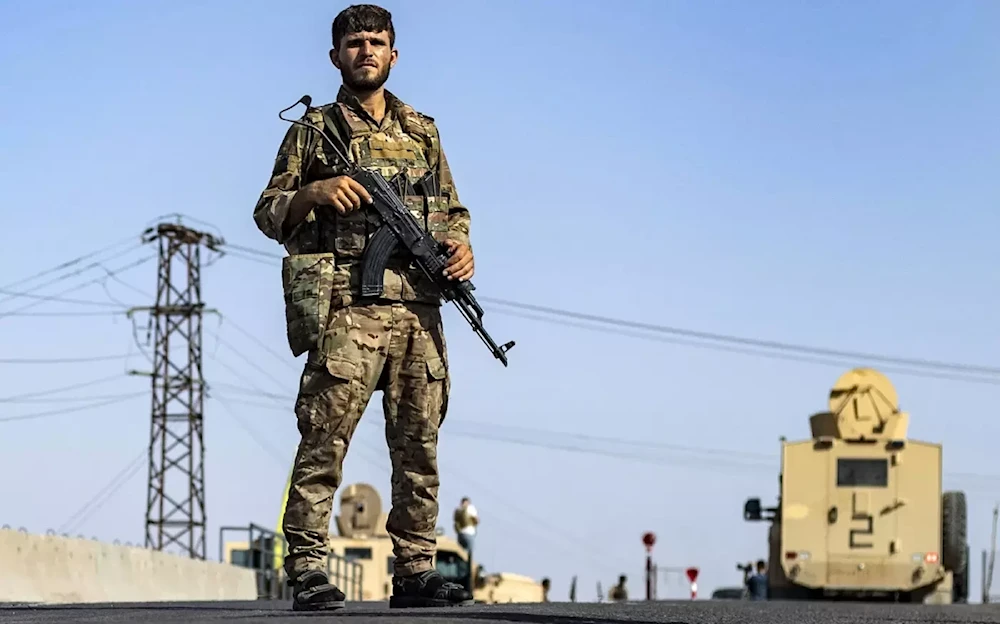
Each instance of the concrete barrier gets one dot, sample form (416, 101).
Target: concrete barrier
(55, 569)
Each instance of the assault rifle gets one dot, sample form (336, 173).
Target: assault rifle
(400, 228)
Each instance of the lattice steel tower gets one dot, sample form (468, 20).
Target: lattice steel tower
(175, 503)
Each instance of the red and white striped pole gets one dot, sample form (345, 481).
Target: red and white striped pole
(692, 574)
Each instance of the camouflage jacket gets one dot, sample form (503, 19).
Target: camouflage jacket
(322, 270)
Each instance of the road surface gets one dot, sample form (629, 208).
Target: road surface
(665, 612)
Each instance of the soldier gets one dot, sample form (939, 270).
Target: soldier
(394, 344)
(466, 522)
(619, 592)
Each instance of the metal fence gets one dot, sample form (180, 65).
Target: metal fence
(265, 553)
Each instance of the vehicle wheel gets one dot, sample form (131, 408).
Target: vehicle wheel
(960, 582)
(955, 555)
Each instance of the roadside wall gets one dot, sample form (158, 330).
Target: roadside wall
(55, 569)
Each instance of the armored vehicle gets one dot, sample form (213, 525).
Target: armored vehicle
(860, 513)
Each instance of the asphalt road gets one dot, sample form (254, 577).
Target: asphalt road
(707, 611)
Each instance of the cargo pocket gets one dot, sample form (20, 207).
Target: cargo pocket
(438, 388)
(326, 396)
(307, 282)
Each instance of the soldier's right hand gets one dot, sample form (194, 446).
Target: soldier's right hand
(344, 193)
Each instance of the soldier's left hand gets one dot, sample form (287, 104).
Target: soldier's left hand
(461, 265)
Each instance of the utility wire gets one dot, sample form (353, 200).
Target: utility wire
(776, 355)
(112, 486)
(249, 258)
(72, 399)
(79, 286)
(533, 433)
(258, 341)
(77, 386)
(252, 251)
(56, 299)
(68, 410)
(247, 360)
(764, 348)
(252, 392)
(713, 457)
(121, 312)
(66, 276)
(259, 439)
(68, 263)
(135, 469)
(766, 344)
(95, 358)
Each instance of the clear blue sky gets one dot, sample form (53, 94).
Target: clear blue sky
(815, 174)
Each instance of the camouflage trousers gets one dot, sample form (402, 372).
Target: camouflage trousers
(398, 348)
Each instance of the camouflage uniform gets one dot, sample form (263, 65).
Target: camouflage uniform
(395, 344)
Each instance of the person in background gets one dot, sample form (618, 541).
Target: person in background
(466, 523)
(619, 593)
(757, 583)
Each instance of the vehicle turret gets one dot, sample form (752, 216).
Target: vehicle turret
(863, 406)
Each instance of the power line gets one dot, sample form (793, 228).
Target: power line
(249, 258)
(250, 250)
(754, 342)
(79, 286)
(69, 410)
(121, 312)
(66, 276)
(533, 432)
(68, 263)
(246, 359)
(258, 341)
(77, 386)
(248, 391)
(109, 489)
(252, 432)
(731, 343)
(56, 299)
(705, 456)
(95, 358)
(73, 399)
(776, 355)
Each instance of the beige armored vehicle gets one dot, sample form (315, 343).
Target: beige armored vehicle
(860, 513)
(362, 558)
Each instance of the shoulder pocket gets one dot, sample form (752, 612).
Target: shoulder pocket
(307, 282)
(437, 217)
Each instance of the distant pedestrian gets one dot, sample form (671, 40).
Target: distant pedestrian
(757, 583)
(466, 523)
(619, 593)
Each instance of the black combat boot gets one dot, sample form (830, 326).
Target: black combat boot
(427, 589)
(314, 592)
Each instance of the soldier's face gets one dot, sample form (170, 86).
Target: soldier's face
(364, 60)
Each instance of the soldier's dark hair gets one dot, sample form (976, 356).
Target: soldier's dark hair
(362, 18)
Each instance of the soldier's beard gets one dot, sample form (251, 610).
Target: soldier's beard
(362, 82)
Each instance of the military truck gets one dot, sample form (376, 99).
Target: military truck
(860, 512)
(361, 555)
